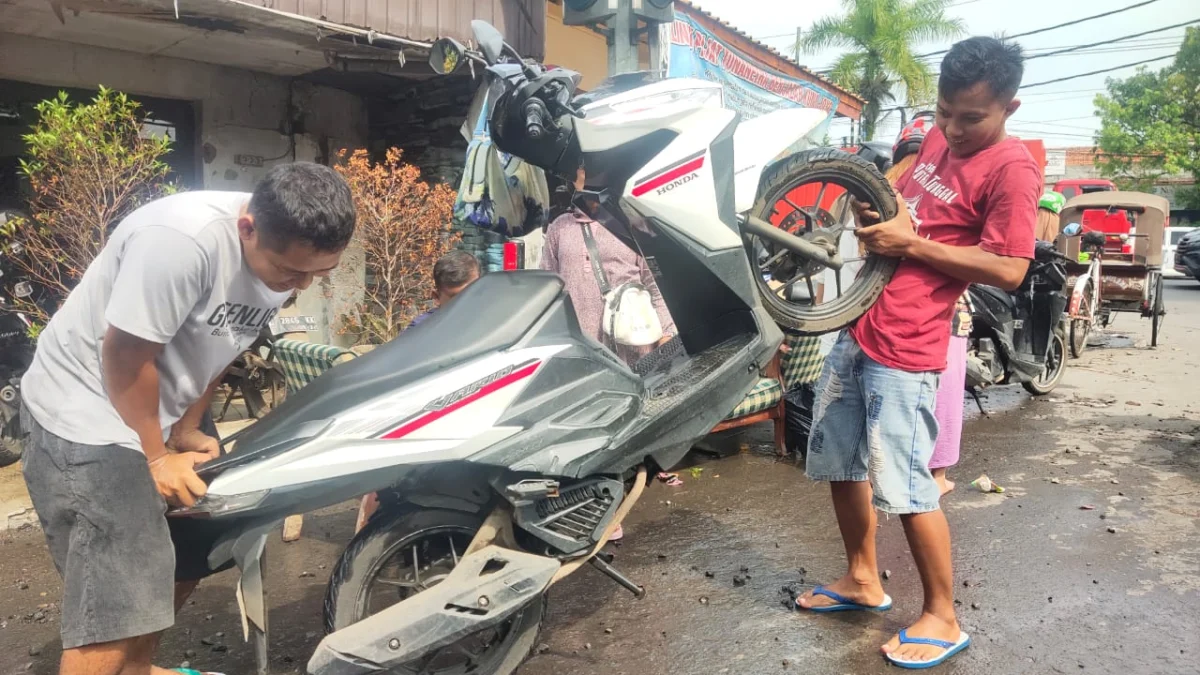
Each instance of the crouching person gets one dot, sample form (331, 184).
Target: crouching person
(123, 378)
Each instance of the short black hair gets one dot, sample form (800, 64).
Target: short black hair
(1000, 63)
(304, 202)
(455, 269)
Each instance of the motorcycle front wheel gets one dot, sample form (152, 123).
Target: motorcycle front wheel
(808, 195)
(403, 552)
(1056, 366)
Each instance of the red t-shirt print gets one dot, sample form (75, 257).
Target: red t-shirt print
(988, 199)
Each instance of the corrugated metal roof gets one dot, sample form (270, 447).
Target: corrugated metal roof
(692, 7)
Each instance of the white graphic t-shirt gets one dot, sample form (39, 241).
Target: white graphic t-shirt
(173, 273)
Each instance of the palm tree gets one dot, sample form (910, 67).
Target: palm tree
(880, 37)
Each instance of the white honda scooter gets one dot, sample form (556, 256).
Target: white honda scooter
(506, 443)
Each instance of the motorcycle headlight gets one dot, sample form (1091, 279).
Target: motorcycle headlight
(211, 506)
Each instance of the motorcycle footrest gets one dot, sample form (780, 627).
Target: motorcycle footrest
(486, 588)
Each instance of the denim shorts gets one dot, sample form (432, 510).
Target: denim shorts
(876, 423)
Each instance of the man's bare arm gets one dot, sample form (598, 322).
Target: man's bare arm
(897, 238)
(131, 379)
(186, 435)
(970, 263)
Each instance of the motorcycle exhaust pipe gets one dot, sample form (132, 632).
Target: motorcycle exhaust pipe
(486, 588)
(791, 242)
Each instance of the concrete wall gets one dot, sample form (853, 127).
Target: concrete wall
(239, 112)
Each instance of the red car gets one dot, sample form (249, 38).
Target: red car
(1078, 186)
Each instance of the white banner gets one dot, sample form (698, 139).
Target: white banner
(1056, 162)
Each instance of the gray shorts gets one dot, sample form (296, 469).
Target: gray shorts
(104, 523)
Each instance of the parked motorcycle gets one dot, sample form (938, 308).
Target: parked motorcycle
(16, 353)
(1020, 336)
(507, 444)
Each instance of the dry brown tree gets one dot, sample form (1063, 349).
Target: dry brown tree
(404, 226)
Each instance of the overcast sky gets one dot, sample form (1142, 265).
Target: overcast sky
(1062, 113)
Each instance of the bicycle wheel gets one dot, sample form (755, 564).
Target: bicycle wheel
(1082, 327)
(1159, 309)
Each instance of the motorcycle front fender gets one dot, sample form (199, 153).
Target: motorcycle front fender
(247, 550)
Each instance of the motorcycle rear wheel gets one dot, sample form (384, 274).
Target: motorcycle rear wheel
(400, 533)
(849, 173)
(1056, 366)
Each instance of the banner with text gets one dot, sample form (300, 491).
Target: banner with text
(750, 88)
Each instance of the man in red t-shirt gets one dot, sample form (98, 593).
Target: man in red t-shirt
(967, 215)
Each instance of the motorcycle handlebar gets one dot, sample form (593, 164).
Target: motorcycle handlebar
(536, 118)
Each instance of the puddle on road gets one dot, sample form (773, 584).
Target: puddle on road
(996, 400)
(1110, 341)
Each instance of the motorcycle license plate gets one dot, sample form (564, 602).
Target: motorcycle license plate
(293, 324)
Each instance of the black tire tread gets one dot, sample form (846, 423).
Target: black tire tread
(878, 269)
(1037, 390)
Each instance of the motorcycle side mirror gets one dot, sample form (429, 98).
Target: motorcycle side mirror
(491, 42)
(446, 56)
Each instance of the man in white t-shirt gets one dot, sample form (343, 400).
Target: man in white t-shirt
(123, 377)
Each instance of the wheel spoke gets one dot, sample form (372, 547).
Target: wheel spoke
(837, 280)
(396, 583)
(841, 217)
(416, 565)
(821, 195)
(812, 291)
(453, 553)
(772, 260)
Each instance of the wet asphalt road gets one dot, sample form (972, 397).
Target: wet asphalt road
(1045, 586)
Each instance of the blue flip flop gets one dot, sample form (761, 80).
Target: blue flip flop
(951, 648)
(845, 604)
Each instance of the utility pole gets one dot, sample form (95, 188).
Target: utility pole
(798, 34)
(622, 40)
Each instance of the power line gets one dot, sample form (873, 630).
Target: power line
(1107, 42)
(1067, 91)
(1058, 126)
(1105, 47)
(1097, 72)
(1144, 42)
(1056, 100)
(1062, 25)
(1055, 134)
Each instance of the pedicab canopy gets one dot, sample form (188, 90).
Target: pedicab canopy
(1133, 223)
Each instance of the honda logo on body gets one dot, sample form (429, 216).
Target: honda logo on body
(678, 182)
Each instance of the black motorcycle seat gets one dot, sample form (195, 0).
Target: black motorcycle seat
(998, 295)
(492, 314)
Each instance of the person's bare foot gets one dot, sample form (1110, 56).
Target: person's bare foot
(944, 483)
(869, 593)
(928, 626)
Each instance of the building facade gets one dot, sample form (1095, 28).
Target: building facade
(243, 86)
